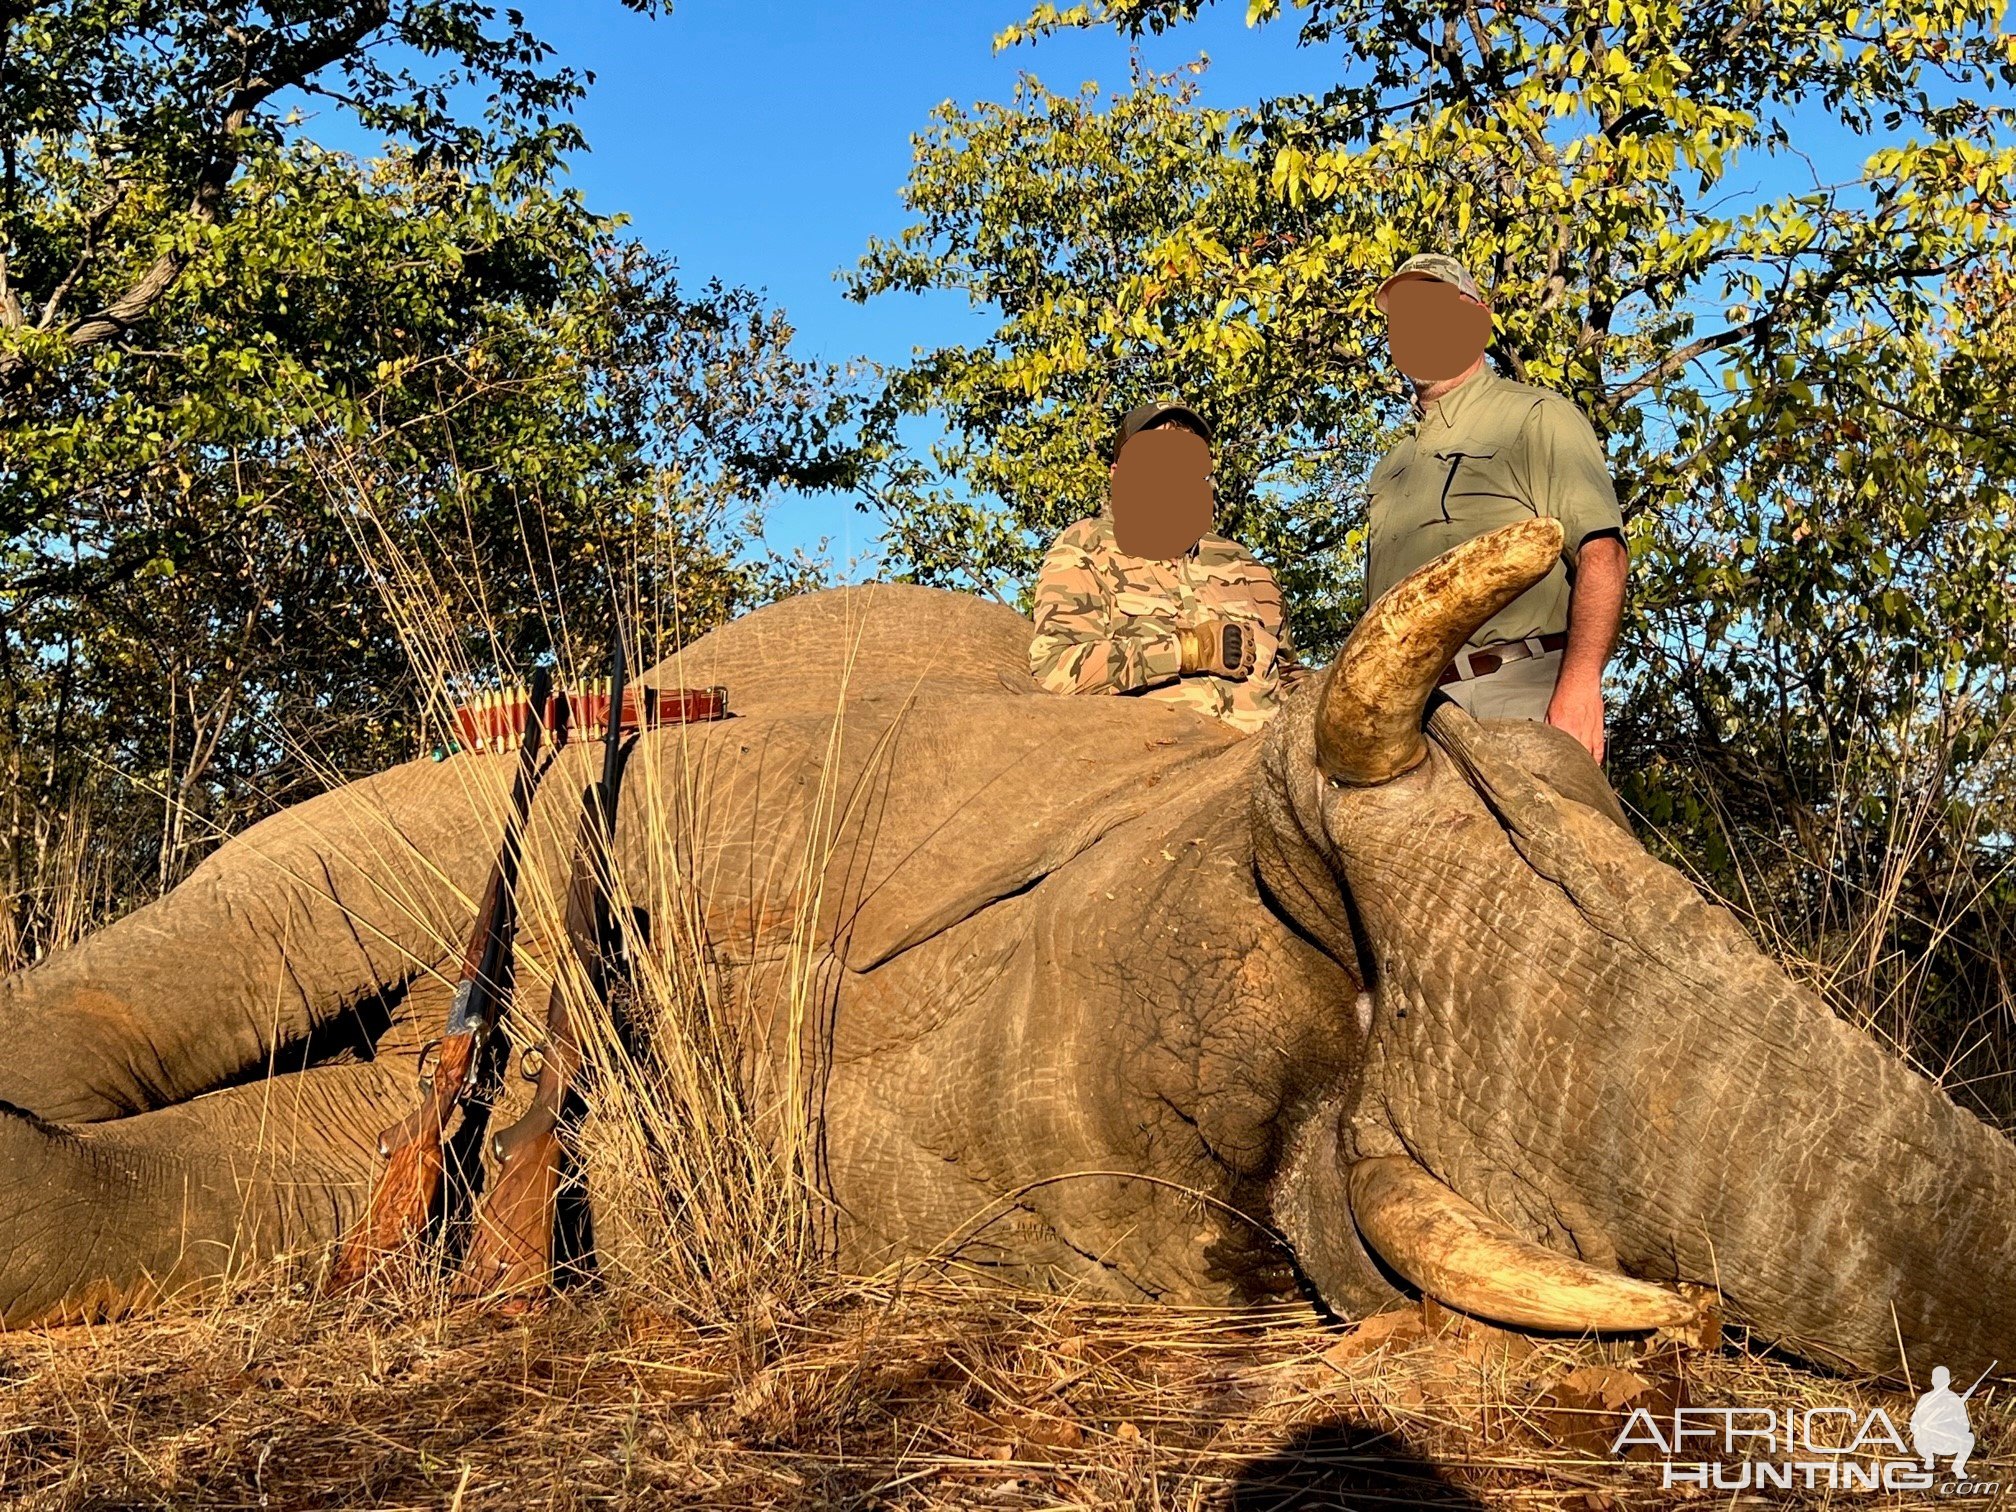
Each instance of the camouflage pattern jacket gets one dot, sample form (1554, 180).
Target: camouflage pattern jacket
(1106, 622)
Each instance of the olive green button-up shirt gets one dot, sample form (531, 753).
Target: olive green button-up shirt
(1490, 453)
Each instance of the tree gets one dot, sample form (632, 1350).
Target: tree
(1097, 234)
(364, 433)
(396, 432)
(124, 127)
(1803, 385)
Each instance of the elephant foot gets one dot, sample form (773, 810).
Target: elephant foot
(104, 1218)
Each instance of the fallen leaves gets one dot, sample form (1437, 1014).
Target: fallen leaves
(928, 1396)
(1588, 1407)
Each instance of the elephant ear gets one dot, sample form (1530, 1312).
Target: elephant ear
(896, 732)
(998, 805)
(821, 649)
(908, 814)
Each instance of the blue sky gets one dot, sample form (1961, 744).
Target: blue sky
(765, 141)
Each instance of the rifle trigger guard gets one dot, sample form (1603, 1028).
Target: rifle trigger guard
(430, 1057)
(531, 1062)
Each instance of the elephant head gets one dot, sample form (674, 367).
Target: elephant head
(1566, 1034)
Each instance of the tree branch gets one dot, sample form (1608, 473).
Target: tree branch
(289, 67)
(11, 314)
(1822, 289)
(93, 225)
(1679, 357)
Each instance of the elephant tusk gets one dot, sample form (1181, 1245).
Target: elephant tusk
(1462, 1257)
(1368, 729)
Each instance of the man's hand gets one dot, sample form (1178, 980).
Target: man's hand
(1577, 707)
(1224, 648)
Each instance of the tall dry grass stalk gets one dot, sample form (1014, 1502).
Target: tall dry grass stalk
(72, 878)
(699, 1147)
(701, 1144)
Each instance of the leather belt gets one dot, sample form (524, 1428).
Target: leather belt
(1488, 659)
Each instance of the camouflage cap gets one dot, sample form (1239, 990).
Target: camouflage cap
(1436, 265)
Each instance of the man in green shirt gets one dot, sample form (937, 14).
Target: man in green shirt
(1487, 452)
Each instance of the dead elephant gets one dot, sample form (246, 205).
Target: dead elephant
(1075, 961)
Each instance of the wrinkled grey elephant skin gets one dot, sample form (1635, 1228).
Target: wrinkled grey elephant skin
(1104, 995)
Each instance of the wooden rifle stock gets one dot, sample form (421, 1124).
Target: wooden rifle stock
(511, 1252)
(404, 1198)
(405, 1194)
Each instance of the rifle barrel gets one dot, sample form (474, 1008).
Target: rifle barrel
(403, 1197)
(511, 1252)
(483, 987)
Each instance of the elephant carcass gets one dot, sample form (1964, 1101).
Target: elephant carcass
(1103, 995)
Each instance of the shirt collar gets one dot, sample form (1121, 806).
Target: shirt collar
(1449, 409)
(1113, 545)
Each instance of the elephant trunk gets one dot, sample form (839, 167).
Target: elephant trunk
(1571, 1038)
(1592, 1059)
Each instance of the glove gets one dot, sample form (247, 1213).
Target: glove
(1224, 648)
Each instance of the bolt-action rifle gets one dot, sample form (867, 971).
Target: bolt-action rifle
(405, 1195)
(513, 1248)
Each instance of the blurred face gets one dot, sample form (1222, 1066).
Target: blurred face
(1434, 329)
(1162, 492)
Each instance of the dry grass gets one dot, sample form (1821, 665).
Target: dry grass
(921, 1393)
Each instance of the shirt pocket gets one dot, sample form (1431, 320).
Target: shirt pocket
(1387, 482)
(1478, 489)
(1385, 503)
(1136, 609)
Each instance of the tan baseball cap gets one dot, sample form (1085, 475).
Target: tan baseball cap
(1436, 265)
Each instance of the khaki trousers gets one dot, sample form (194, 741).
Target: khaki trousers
(1517, 690)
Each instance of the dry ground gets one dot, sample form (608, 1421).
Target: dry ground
(919, 1392)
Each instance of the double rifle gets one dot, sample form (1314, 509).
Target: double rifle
(512, 1249)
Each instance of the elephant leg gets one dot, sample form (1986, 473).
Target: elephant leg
(105, 1217)
(302, 929)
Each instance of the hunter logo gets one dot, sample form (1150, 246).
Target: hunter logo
(1939, 1423)
(1815, 1448)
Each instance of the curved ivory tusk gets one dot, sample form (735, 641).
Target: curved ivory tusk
(1368, 730)
(1460, 1256)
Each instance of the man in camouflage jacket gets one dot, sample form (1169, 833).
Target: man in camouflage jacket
(1202, 630)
